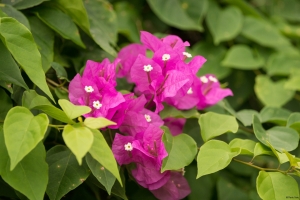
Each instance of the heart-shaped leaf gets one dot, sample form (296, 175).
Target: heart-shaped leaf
(294, 121)
(241, 57)
(22, 132)
(246, 146)
(261, 149)
(71, 110)
(272, 93)
(79, 139)
(275, 115)
(96, 123)
(245, 116)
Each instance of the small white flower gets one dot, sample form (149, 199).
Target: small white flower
(128, 146)
(213, 79)
(97, 104)
(188, 55)
(166, 57)
(148, 118)
(148, 68)
(89, 89)
(204, 79)
(190, 91)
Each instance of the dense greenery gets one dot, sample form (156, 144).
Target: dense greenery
(244, 147)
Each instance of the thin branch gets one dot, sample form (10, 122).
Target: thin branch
(56, 84)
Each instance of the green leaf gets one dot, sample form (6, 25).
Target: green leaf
(279, 137)
(101, 152)
(263, 33)
(245, 116)
(103, 24)
(22, 132)
(61, 23)
(272, 93)
(247, 146)
(12, 12)
(61, 72)
(261, 149)
(213, 156)
(105, 177)
(282, 157)
(96, 123)
(213, 124)
(44, 38)
(275, 185)
(241, 56)
(170, 111)
(76, 11)
(275, 115)
(245, 7)
(64, 172)
(32, 100)
(22, 4)
(3, 152)
(294, 80)
(9, 70)
(181, 149)
(175, 13)
(282, 64)
(294, 161)
(217, 22)
(79, 139)
(226, 190)
(5, 104)
(214, 55)
(21, 45)
(294, 121)
(71, 110)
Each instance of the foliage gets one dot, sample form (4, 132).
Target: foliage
(243, 147)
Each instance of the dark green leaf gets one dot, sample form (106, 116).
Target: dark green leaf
(282, 64)
(226, 190)
(12, 12)
(22, 4)
(61, 72)
(5, 104)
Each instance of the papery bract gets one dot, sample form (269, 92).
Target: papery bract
(175, 125)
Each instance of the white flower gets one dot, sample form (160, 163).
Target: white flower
(148, 68)
(213, 79)
(148, 118)
(188, 55)
(97, 104)
(128, 146)
(166, 57)
(89, 89)
(190, 91)
(204, 79)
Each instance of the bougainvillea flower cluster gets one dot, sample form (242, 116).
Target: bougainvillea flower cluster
(166, 77)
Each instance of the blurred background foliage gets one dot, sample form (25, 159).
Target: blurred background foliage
(252, 46)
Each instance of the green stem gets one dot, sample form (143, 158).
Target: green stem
(260, 168)
(56, 84)
(246, 129)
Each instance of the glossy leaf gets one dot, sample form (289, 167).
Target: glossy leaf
(275, 185)
(246, 146)
(13, 12)
(22, 132)
(213, 156)
(241, 57)
(275, 115)
(272, 93)
(214, 124)
(170, 111)
(79, 139)
(61, 23)
(101, 152)
(32, 100)
(279, 137)
(97, 123)
(5, 104)
(217, 22)
(21, 45)
(245, 116)
(68, 174)
(105, 177)
(71, 110)
(181, 149)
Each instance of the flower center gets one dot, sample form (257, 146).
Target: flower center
(188, 55)
(89, 89)
(166, 57)
(213, 79)
(148, 68)
(148, 118)
(97, 104)
(190, 91)
(203, 79)
(128, 146)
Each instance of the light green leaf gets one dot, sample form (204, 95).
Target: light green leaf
(261, 149)
(245, 116)
(9, 70)
(294, 121)
(294, 80)
(61, 23)
(12, 12)
(96, 123)
(241, 57)
(71, 110)
(76, 11)
(214, 124)
(5, 104)
(282, 64)
(103, 24)
(245, 7)
(32, 100)
(22, 132)
(101, 152)
(275, 115)
(217, 22)
(279, 137)
(213, 156)
(246, 146)
(275, 185)
(105, 177)
(64, 172)
(170, 111)
(282, 157)
(44, 38)
(79, 139)
(294, 161)
(272, 93)
(21, 45)
(176, 13)
(22, 4)
(214, 55)
(181, 149)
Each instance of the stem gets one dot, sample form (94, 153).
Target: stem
(56, 126)
(56, 84)
(149, 101)
(260, 168)
(246, 129)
